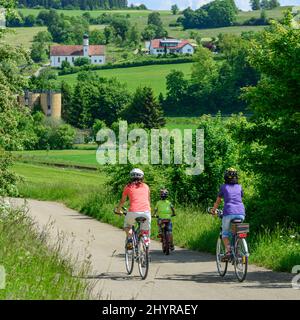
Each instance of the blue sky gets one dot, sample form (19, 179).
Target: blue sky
(166, 4)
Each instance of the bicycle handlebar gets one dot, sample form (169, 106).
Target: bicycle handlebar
(218, 211)
(122, 212)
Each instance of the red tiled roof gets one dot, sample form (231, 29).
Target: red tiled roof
(155, 44)
(77, 50)
(182, 44)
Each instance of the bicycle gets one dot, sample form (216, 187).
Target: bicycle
(139, 251)
(239, 249)
(165, 236)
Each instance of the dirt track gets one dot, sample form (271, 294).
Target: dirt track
(184, 274)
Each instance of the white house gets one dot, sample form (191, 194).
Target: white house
(58, 54)
(169, 45)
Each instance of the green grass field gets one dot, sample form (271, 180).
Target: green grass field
(153, 76)
(85, 158)
(22, 36)
(69, 186)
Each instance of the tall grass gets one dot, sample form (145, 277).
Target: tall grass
(36, 269)
(279, 249)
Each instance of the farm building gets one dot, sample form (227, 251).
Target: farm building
(49, 101)
(58, 54)
(169, 45)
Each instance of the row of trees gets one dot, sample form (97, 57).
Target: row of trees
(264, 4)
(75, 4)
(94, 98)
(218, 13)
(214, 85)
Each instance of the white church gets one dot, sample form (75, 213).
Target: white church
(58, 54)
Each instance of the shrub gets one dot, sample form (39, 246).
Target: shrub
(82, 61)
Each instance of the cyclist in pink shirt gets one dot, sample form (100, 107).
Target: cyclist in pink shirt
(138, 193)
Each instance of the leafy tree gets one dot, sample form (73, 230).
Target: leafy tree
(121, 27)
(218, 13)
(97, 37)
(271, 142)
(255, 4)
(149, 32)
(144, 109)
(154, 23)
(174, 9)
(108, 33)
(98, 125)
(66, 95)
(29, 21)
(177, 87)
(40, 46)
(82, 61)
(155, 19)
(15, 123)
(133, 36)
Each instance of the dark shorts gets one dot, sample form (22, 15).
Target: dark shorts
(169, 226)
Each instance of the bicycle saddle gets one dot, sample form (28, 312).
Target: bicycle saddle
(140, 219)
(236, 221)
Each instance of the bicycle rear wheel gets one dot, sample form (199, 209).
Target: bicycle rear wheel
(241, 259)
(129, 258)
(220, 253)
(143, 259)
(166, 243)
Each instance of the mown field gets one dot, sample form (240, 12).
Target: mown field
(153, 76)
(193, 228)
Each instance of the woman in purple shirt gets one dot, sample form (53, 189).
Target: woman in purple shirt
(234, 208)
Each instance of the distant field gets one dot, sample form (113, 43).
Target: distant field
(153, 76)
(24, 36)
(213, 32)
(68, 157)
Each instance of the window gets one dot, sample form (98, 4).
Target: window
(58, 59)
(189, 50)
(72, 59)
(66, 58)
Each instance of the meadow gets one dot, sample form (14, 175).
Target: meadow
(153, 76)
(193, 228)
(82, 158)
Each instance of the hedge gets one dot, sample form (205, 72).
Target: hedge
(127, 64)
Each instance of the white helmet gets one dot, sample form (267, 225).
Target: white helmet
(136, 174)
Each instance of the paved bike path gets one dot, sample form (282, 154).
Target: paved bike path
(185, 274)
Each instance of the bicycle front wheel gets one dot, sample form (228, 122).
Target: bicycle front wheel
(241, 259)
(129, 258)
(220, 254)
(143, 259)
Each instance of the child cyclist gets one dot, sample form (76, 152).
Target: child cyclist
(232, 194)
(165, 210)
(138, 193)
